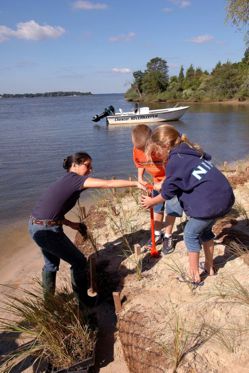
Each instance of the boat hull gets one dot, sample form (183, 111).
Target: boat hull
(153, 116)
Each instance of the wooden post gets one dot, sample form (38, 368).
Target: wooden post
(130, 188)
(117, 301)
(82, 212)
(92, 290)
(137, 250)
(83, 209)
(113, 189)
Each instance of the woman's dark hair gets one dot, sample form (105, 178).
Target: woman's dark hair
(77, 158)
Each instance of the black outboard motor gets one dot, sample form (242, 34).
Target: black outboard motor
(108, 111)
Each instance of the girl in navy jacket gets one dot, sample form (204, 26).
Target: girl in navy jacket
(202, 190)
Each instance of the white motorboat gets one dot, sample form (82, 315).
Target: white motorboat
(141, 115)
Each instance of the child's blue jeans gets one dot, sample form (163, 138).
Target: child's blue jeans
(173, 207)
(196, 232)
(159, 208)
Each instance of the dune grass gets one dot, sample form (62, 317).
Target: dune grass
(184, 336)
(54, 331)
(232, 290)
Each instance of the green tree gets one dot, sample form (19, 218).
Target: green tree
(156, 78)
(238, 11)
(158, 64)
(198, 73)
(138, 82)
(238, 14)
(189, 80)
(226, 81)
(181, 74)
(181, 78)
(245, 59)
(216, 68)
(190, 73)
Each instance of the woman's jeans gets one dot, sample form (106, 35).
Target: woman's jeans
(196, 232)
(55, 245)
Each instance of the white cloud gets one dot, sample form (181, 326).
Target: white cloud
(30, 31)
(5, 33)
(181, 3)
(121, 70)
(89, 5)
(122, 37)
(201, 39)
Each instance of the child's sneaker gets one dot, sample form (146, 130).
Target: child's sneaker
(168, 246)
(158, 240)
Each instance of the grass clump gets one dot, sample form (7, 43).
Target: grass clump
(182, 339)
(122, 221)
(229, 338)
(53, 331)
(237, 248)
(242, 212)
(181, 273)
(231, 290)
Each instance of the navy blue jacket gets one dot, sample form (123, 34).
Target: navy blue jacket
(203, 191)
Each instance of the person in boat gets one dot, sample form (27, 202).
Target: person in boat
(136, 107)
(203, 191)
(155, 167)
(48, 217)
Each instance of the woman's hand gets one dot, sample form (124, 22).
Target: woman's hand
(141, 185)
(81, 227)
(147, 201)
(158, 186)
(142, 181)
(73, 225)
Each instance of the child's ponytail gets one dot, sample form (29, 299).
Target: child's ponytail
(164, 138)
(184, 138)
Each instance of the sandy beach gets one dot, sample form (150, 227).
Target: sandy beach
(150, 294)
(22, 263)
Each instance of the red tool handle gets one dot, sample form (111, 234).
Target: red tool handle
(153, 250)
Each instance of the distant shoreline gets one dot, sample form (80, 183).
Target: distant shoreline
(45, 94)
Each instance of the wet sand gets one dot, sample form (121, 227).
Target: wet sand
(21, 259)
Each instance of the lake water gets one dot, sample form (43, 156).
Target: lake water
(38, 133)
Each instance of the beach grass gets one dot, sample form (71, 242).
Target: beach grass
(54, 331)
(183, 337)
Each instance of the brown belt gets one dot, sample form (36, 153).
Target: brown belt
(45, 222)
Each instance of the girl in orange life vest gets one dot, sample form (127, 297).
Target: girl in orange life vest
(155, 166)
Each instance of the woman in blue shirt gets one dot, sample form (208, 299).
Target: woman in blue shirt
(48, 217)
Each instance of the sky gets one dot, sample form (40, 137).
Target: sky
(77, 45)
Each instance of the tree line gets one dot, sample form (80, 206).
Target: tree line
(45, 94)
(226, 81)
